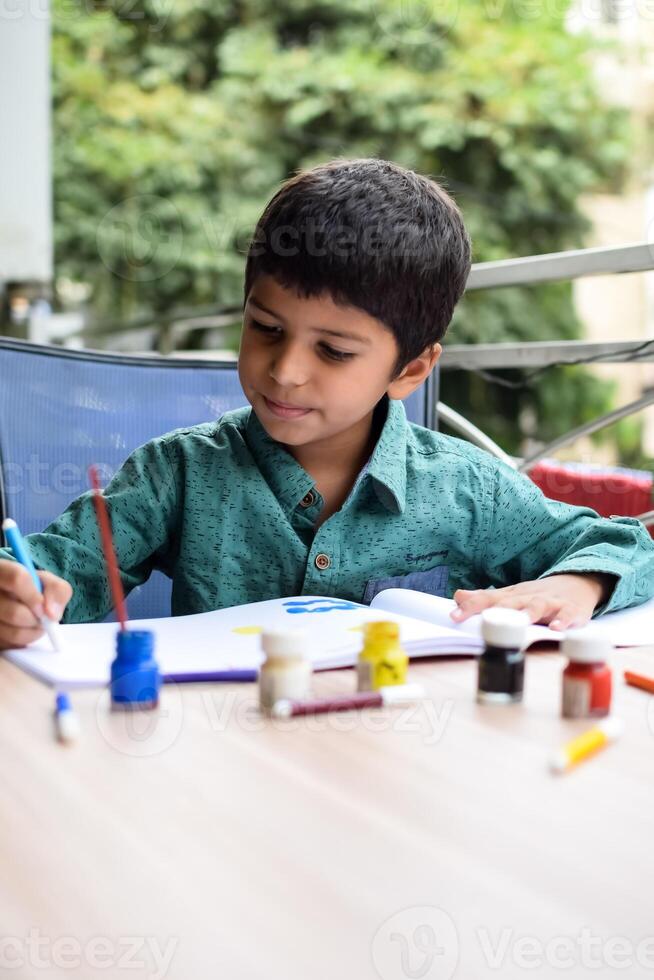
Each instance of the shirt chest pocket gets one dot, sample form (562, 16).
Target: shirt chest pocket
(432, 580)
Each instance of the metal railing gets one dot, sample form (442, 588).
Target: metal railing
(530, 271)
(165, 328)
(557, 266)
(542, 354)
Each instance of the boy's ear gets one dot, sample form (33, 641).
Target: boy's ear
(415, 372)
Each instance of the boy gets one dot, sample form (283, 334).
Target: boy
(321, 486)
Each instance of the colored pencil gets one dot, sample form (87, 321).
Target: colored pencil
(639, 680)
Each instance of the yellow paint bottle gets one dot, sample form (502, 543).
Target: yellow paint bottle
(382, 661)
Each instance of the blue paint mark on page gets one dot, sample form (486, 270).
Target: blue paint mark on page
(295, 606)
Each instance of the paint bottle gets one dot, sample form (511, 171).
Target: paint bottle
(286, 671)
(135, 677)
(586, 689)
(501, 670)
(382, 662)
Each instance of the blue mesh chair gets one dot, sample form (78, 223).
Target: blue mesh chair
(61, 410)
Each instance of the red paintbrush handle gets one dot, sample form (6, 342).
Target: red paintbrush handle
(108, 548)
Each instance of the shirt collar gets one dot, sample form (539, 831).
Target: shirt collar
(286, 478)
(387, 465)
(386, 468)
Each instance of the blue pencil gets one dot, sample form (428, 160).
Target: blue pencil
(21, 554)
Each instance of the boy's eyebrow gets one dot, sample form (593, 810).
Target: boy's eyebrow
(333, 333)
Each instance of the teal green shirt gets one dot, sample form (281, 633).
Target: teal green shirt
(228, 514)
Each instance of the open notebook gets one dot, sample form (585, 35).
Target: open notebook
(229, 638)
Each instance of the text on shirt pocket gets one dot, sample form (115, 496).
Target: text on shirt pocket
(432, 580)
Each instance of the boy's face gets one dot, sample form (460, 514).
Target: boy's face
(313, 370)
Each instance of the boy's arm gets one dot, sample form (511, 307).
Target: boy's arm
(142, 503)
(531, 539)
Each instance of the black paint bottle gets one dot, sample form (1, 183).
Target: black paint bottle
(502, 664)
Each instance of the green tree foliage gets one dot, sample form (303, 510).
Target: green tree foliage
(174, 124)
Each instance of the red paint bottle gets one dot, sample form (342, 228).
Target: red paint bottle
(587, 678)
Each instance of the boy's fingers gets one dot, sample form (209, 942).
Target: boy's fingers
(552, 610)
(12, 638)
(17, 581)
(461, 596)
(56, 595)
(15, 614)
(537, 608)
(568, 617)
(471, 603)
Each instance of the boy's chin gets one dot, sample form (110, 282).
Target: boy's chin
(282, 430)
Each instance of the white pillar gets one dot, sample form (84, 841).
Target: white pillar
(25, 163)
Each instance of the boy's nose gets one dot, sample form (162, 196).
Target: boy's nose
(289, 368)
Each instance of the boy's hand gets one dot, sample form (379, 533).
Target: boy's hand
(21, 603)
(560, 601)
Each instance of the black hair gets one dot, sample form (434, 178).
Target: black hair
(373, 235)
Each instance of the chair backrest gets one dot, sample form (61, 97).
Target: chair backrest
(61, 410)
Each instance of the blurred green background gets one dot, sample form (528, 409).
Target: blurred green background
(175, 123)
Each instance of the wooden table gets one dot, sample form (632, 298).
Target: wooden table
(429, 842)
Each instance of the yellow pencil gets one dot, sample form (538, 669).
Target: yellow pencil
(585, 745)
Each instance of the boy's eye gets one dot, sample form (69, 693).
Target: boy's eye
(330, 352)
(336, 355)
(263, 328)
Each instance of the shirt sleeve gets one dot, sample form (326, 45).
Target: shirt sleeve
(530, 536)
(142, 504)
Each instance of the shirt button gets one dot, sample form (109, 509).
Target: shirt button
(308, 499)
(322, 562)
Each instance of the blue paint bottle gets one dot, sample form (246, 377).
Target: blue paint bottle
(135, 677)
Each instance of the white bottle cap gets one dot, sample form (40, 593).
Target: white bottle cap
(586, 645)
(504, 627)
(284, 643)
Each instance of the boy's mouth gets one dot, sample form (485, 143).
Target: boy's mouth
(282, 411)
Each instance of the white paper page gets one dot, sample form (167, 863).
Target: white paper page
(420, 605)
(625, 628)
(228, 638)
(632, 627)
